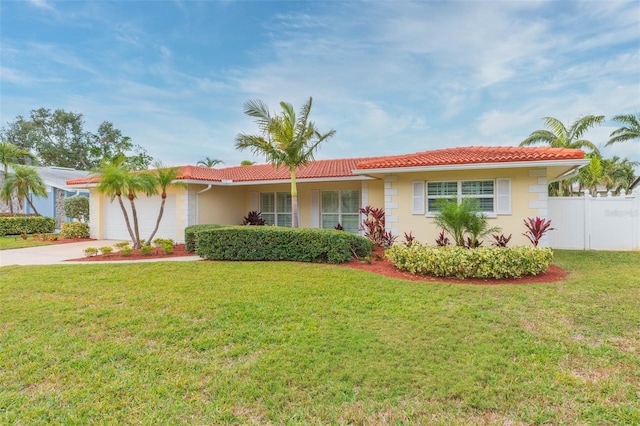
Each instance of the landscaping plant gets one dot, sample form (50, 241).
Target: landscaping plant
(537, 227)
(373, 225)
(408, 239)
(253, 218)
(106, 250)
(90, 251)
(146, 250)
(76, 207)
(74, 230)
(463, 221)
(500, 240)
(442, 240)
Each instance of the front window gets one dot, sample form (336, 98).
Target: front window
(276, 208)
(481, 190)
(341, 207)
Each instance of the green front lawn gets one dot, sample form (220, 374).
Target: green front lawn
(15, 241)
(290, 343)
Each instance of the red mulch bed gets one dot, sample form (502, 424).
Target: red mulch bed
(378, 265)
(178, 251)
(385, 267)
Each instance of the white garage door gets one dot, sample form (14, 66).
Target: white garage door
(148, 208)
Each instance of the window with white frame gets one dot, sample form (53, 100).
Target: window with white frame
(481, 190)
(341, 207)
(276, 208)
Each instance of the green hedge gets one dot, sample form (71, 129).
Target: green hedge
(16, 225)
(277, 243)
(190, 235)
(482, 262)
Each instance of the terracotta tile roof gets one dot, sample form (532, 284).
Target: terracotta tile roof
(262, 172)
(343, 167)
(317, 169)
(472, 155)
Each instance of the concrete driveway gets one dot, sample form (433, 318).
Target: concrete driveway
(58, 253)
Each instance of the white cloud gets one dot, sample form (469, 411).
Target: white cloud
(42, 4)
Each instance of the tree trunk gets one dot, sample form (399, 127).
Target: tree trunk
(136, 229)
(32, 206)
(126, 218)
(153, 234)
(294, 199)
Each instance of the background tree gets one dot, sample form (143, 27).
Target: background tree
(631, 130)
(286, 140)
(24, 181)
(165, 177)
(109, 144)
(76, 207)
(115, 180)
(10, 155)
(58, 138)
(209, 162)
(559, 136)
(247, 163)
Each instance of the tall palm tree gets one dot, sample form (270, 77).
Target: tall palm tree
(165, 177)
(626, 133)
(117, 180)
(287, 140)
(558, 136)
(24, 181)
(209, 162)
(11, 154)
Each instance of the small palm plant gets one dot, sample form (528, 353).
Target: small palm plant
(462, 220)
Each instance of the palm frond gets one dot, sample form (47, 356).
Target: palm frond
(539, 136)
(581, 125)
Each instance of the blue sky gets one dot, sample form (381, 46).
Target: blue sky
(390, 77)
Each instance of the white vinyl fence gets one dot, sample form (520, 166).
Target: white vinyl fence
(595, 223)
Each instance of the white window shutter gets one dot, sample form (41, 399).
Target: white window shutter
(418, 197)
(503, 196)
(315, 208)
(255, 201)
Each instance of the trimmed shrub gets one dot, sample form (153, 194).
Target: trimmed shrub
(277, 243)
(16, 225)
(90, 251)
(482, 262)
(190, 235)
(106, 250)
(146, 250)
(74, 230)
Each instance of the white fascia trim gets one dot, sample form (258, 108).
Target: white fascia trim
(508, 165)
(276, 181)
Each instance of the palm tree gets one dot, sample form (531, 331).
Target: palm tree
(24, 181)
(629, 132)
(592, 175)
(560, 137)
(117, 180)
(619, 173)
(286, 140)
(10, 154)
(460, 219)
(209, 162)
(165, 177)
